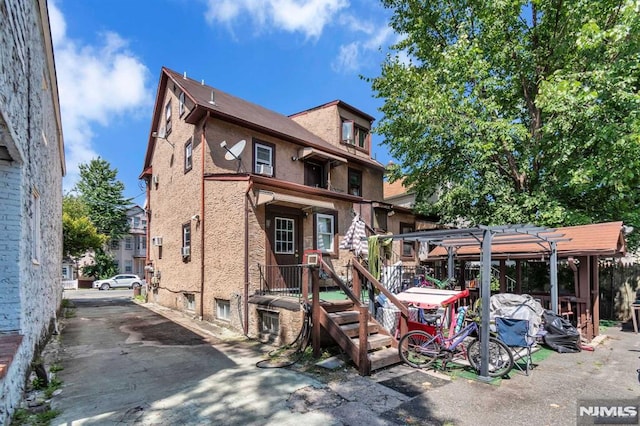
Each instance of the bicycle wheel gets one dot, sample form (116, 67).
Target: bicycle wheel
(500, 358)
(419, 349)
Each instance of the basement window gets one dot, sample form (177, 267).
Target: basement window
(190, 301)
(269, 322)
(223, 309)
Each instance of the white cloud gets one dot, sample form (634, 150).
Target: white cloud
(308, 17)
(353, 56)
(96, 84)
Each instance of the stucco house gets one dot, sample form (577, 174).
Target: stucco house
(32, 165)
(236, 193)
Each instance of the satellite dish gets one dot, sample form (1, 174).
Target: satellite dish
(234, 152)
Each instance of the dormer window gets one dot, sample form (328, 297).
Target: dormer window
(352, 134)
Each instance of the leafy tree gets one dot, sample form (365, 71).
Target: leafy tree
(101, 192)
(516, 111)
(104, 265)
(79, 234)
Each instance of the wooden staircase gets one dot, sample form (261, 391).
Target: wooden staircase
(342, 323)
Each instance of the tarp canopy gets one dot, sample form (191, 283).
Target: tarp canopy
(430, 298)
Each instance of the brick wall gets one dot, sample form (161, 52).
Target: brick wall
(30, 281)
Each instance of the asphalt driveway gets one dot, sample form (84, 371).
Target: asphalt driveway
(130, 364)
(125, 364)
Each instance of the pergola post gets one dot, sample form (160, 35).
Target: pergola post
(485, 294)
(450, 262)
(553, 275)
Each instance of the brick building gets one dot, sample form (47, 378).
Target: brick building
(234, 189)
(31, 169)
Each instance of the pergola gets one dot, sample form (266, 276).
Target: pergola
(581, 245)
(486, 237)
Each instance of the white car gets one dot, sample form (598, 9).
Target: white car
(119, 281)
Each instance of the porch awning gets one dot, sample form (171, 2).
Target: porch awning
(308, 152)
(269, 197)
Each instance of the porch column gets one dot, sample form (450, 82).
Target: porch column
(553, 272)
(485, 294)
(595, 274)
(503, 276)
(518, 277)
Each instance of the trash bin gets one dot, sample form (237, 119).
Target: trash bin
(136, 291)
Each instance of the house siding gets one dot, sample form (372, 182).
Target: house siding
(30, 289)
(235, 233)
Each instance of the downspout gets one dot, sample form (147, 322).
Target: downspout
(246, 259)
(201, 224)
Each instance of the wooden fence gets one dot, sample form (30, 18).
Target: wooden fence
(619, 287)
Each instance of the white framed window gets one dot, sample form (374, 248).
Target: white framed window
(284, 235)
(263, 158)
(189, 301)
(325, 232)
(188, 155)
(269, 322)
(167, 118)
(186, 235)
(223, 309)
(128, 243)
(35, 225)
(128, 266)
(181, 104)
(115, 244)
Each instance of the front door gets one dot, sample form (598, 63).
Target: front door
(284, 248)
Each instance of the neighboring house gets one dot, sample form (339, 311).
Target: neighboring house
(32, 165)
(397, 194)
(234, 189)
(130, 252)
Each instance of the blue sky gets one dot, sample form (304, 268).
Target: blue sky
(286, 55)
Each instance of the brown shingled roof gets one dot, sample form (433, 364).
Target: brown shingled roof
(245, 113)
(599, 239)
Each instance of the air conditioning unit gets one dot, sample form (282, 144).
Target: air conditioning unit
(186, 251)
(156, 179)
(156, 241)
(349, 141)
(264, 169)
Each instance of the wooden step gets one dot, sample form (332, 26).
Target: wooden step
(374, 341)
(383, 358)
(337, 306)
(353, 329)
(345, 317)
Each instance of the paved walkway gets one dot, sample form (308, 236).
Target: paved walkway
(193, 373)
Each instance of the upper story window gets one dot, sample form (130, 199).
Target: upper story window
(115, 244)
(315, 174)
(188, 155)
(167, 118)
(263, 158)
(355, 182)
(181, 108)
(355, 135)
(135, 222)
(128, 243)
(325, 232)
(186, 242)
(186, 235)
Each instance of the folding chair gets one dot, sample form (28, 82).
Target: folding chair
(515, 334)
